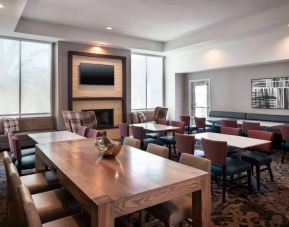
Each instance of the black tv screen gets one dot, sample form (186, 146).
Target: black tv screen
(96, 74)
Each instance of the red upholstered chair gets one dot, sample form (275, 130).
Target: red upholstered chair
(230, 123)
(231, 131)
(82, 131)
(284, 129)
(201, 124)
(247, 125)
(93, 133)
(21, 162)
(123, 131)
(216, 151)
(187, 120)
(170, 140)
(139, 133)
(25, 151)
(186, 144)
(260, 155)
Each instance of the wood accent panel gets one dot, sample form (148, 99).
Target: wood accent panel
(116, 105)
(133, 181)
(80, 90)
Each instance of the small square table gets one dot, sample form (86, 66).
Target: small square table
(57, 136)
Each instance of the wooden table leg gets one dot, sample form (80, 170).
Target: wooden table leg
(102, 216)
(39, 165)
(201, 204)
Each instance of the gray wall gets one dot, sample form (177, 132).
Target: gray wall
(231, 88)
(61, 74)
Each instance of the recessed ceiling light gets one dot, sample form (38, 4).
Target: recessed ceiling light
(108, 28)
(1, 6)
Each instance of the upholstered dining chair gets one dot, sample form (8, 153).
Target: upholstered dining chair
(187, 120)
(82, 131)
(260, 155)
(186, 144)
(201, 125)
(123, 131)
(231, 131)
(169, 140)
(31, 218)
(247, 125)
(22, 162)
(156, 135)
(132, 142)
(177, 211)
(158, 150)
(25, 151)
(36, 183)
(216, 151)
(139, 133)
(284, 129)
(93, 133)
(162, 121)
(50, 205)
(230, 123)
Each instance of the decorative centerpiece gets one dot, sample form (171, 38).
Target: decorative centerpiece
(107, 148)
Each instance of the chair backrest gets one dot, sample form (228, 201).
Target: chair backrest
(123, 130)
(161, 113)
(186, 119)
(200, 122)
(82, 130)
(231, 131)
(181, 126)
(284, 129)
(229, 123)
(185, 143)
(133, 118)
(14, 182)
(92, 133)
(216, 151)
(28, 208)
(132, 142)
(247, 125)
(138, 132)
(263, 135)
(15, 147)
(162, 121)
(196, 162)
(158, 150)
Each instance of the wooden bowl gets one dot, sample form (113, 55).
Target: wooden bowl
(112, 150)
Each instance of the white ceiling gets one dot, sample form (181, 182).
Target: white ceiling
(160, 20)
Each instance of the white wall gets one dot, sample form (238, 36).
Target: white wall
(268, 47)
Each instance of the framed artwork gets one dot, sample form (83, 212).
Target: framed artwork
(270, 93)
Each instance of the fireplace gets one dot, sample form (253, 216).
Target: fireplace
(104, 117)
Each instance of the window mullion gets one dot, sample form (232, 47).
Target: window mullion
(20, 76)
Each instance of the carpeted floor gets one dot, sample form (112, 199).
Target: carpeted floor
(270, 207)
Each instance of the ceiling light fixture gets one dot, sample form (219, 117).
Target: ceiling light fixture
(1, 6)
(108, 28)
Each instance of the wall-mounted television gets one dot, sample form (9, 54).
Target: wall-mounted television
(96, 74)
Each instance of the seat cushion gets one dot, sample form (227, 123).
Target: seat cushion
(286, 145)
(168, 139)
(27, 162)
(41, 182)
(256, 158)
(79, 220)
(234, 166)
(55, 204)
(27, 152)
(191, 128)
(152, 135)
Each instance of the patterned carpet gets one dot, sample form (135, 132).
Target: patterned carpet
(270, 207)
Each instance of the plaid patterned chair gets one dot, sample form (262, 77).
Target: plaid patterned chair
(73, 120)
(160, 113)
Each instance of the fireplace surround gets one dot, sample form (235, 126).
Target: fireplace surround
(104, 117)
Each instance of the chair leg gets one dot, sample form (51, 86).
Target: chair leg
(174, 146)
(249, 181)
(258, 177)
(170, 150)
(224, 185)
(283, 156)
(252, 170)
(270, 171)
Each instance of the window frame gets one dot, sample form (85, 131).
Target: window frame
(162, 77)
(23, 115)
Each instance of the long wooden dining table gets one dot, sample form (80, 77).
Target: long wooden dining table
(135, 180)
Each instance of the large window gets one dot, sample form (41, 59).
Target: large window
(146, 81)
(25, 78)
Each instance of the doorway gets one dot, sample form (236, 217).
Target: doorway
(199, 93)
